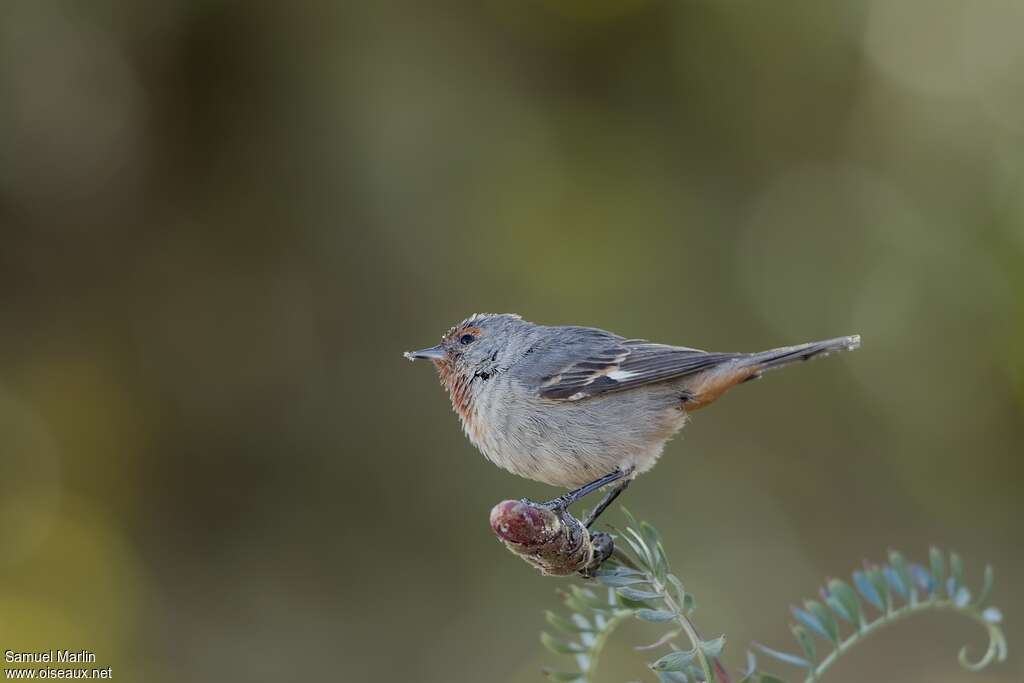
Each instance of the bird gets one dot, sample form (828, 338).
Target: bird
(582, 408)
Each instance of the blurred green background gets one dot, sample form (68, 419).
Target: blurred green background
(221, 223)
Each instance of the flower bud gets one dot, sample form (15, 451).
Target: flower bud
(553, 541)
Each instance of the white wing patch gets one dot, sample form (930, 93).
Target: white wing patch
(625, 365)
(619, 375)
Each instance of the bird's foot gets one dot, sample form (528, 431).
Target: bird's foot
(603, 546)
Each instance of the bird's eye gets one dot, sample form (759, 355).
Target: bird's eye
(467, 339)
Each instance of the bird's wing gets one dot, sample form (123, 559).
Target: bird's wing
(618, 364)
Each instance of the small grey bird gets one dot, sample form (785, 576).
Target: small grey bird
(581, 407)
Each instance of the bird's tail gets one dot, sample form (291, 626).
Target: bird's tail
(738, 368)
(766, 360)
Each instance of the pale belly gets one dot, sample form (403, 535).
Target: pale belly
(570, 444)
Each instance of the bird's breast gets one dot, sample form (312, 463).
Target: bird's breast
(460, 390)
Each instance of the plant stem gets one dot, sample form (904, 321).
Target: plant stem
(890, 617)
(688, 628)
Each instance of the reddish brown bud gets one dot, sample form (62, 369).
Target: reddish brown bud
(523, 523)
(553, 541)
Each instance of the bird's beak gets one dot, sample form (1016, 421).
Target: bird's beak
(433, 353)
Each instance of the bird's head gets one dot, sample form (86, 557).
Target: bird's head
(472, 352)
(476, 347)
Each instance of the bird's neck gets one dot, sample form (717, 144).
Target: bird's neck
(458, 385)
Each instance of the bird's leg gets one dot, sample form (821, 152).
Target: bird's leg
(571, 497)
(608, 499)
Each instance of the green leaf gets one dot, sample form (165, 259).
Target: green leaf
(956, 570)
(650, 534)
(640, 554)
(656, 550)
(825, 618)
(895, 582)
(923, 580)
(713, 648)
(680, 592)
(899, 565)
(657, 616)
(674, 661)
(619, 570)
(563, 624)
(751, 671)
(660, 563)
(574, 604)
(634, 605)
(986, 586)
(867, 589)
(640, 546)
(838, 608)
(638, 595)
(877, 578)
(847, 597)
(560, 647)
(810, 621)
(664, 640)
(784, 656)
(992, 615)
(587, 598)
(938, 567)
(583, 623)
(616, 581)
(565, 676)
(671, 677)
(806, 642)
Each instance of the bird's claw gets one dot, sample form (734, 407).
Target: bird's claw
(603, 546)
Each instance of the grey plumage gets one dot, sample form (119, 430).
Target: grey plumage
(565, 405)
